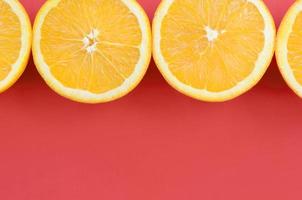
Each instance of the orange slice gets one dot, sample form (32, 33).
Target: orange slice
(15, 42)
(289, 48)
(92, 51)
(213, 50)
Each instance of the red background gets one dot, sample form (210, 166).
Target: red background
(154, 144)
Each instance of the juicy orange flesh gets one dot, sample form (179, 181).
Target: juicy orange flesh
(294, 47)
(10, 39)
(117, 49)
(217, 64)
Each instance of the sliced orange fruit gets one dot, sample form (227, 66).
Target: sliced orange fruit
(92, 51)
(15, 42)
(289, 48)
(213, 50)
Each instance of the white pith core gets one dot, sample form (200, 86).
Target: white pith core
(90, 41)
(211, 34)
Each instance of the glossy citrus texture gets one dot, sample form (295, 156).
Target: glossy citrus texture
(289, 47)
(212, 46)
(15, 42)
(99, 49)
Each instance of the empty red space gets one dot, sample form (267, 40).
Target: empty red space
(154, 144)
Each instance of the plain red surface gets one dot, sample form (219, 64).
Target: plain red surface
(154, 144)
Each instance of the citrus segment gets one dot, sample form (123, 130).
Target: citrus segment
(213, 50)
(92, 51)
(15, 42)
(289, 44)
(294, 49)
